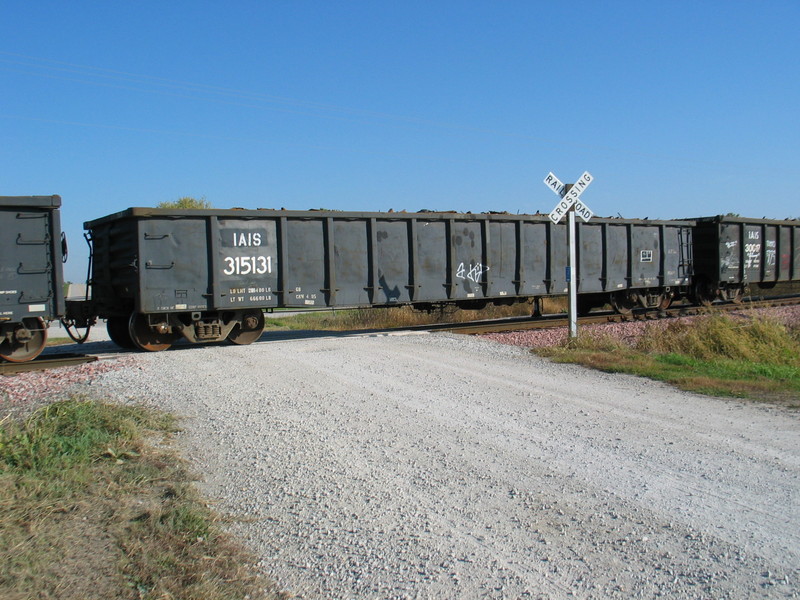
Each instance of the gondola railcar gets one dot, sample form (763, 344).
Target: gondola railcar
(31, 284)
(734, 256)
(159, 275)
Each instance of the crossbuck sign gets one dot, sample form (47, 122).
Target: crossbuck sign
(570, 204)
(570, 198)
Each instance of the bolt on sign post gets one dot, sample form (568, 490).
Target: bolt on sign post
(571, 204)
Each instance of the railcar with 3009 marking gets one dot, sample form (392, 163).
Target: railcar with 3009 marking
(733, 255)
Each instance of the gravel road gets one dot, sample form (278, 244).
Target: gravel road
(440, 466)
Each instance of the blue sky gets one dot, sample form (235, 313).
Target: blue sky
(677, 109)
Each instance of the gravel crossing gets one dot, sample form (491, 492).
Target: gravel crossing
(442, 466)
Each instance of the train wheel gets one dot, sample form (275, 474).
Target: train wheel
(705, 293)
(28, 341)
(665, 302)
(145, 337)
(250, 329)
(623, 303)
(117, 328)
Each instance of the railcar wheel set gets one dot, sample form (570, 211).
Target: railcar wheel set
(157, 276)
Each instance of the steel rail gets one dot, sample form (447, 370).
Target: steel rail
(561, 320)
(42, 363)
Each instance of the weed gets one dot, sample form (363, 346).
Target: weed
(750, 357)
(89, 508)
(401, 316)
(756, 339)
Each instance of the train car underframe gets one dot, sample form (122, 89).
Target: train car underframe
(158, 331)
(706, 292)
(625, 301)
(154, 332)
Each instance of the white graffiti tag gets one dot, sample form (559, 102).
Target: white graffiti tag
(771, 252)
(473, 273)
(752, 256)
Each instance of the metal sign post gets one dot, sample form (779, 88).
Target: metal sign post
(572, 279)
(569, 205)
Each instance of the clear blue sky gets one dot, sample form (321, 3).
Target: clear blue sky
(676, 108)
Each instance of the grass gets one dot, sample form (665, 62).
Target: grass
(91, 507)
(402, 316)
(754, 357)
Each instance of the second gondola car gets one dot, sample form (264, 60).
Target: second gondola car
(735, 256)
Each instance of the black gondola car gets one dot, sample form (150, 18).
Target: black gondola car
(734, 255)
(31, 284)
(207, 275)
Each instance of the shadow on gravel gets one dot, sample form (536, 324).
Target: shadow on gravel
(107, 347)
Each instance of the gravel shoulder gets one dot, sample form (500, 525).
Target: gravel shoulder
(439, 466)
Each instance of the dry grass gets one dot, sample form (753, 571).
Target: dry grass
(757, 358)
(89, 509)
(756, 340)
(404, 316)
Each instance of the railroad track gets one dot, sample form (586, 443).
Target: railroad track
(42, 363)
(474, 328)
(562, 320)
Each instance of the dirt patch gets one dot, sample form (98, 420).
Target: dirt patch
(68, 554)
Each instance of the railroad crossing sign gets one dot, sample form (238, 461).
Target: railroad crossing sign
(571, 205)
(569, 198)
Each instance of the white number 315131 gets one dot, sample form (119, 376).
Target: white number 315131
(245, 265)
